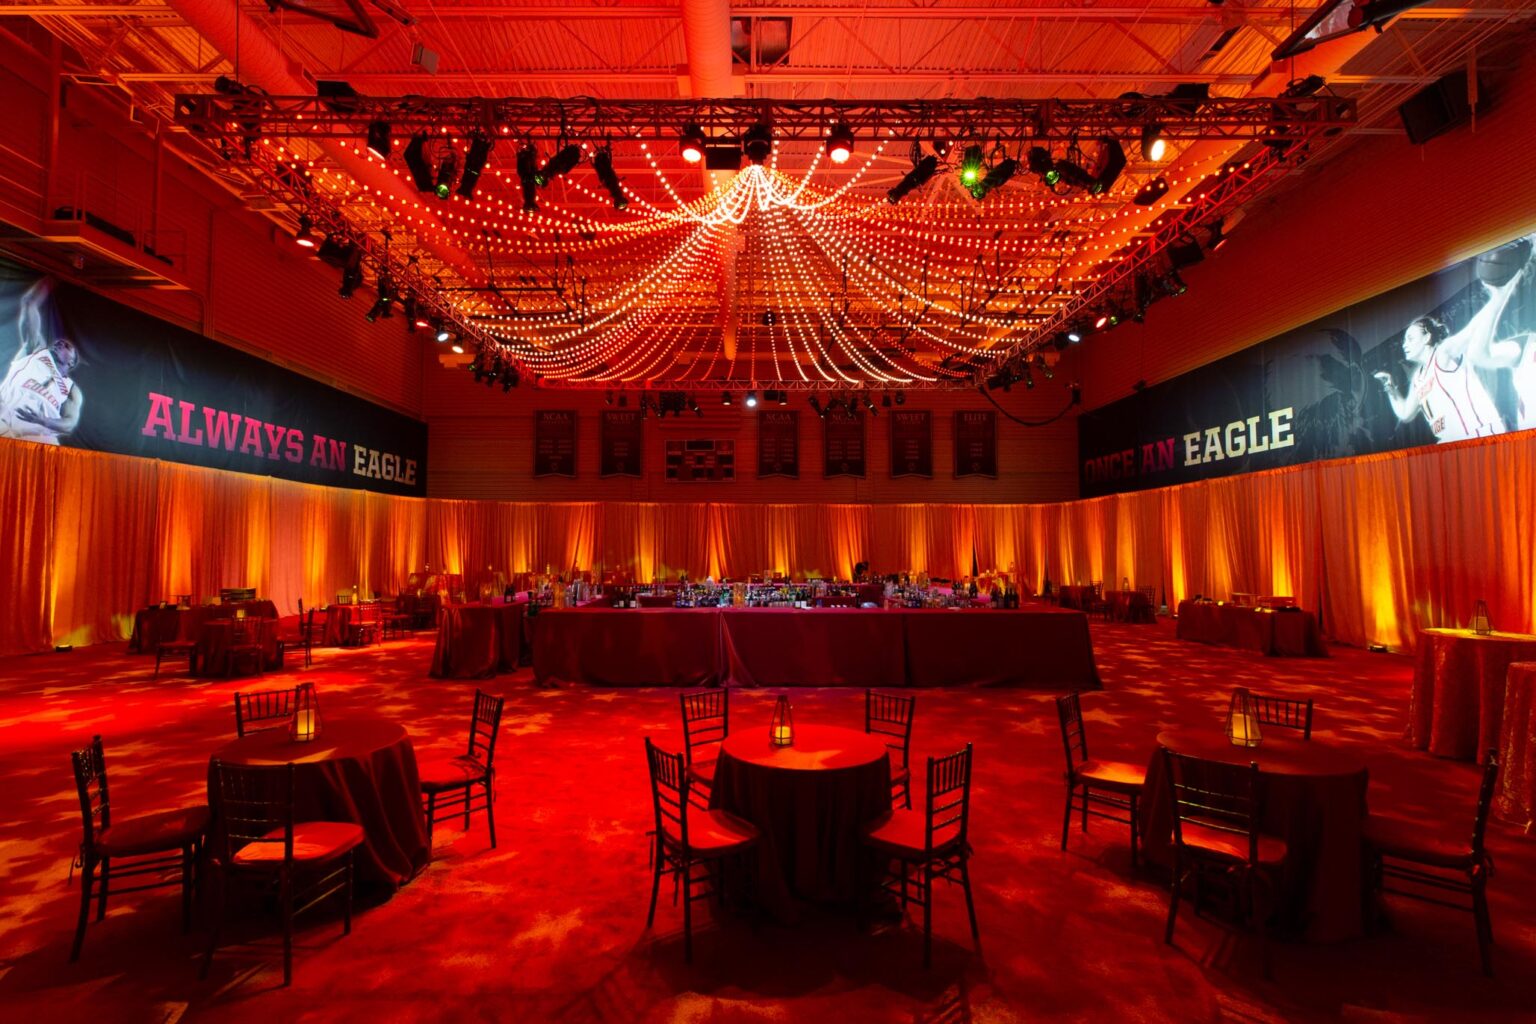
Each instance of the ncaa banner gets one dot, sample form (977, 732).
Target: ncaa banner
(1448, 357)
(86, 372)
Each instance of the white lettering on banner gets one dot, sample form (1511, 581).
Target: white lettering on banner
(1239, 438)
(378, 465)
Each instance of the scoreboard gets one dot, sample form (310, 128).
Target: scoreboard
(701, 461)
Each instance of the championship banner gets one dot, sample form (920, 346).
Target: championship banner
(778, 443)
(554, 442)
(1448, 357)
(911, 443)
(976, 443)
(620, 443)
(86, 372)
(843, 445)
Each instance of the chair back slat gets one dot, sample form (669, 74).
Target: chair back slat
(669, 793)
(1215, 795)
(890, 715)
(706, 719)
(90, 765)
(1286, 712)
(1485, 793)
(260, 710)
(249, 803)
(1074, 737)
(485, 726)
(947, 814)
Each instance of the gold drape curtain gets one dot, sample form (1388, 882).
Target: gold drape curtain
(1382, 546)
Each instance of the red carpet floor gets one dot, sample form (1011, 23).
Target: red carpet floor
(550, 927)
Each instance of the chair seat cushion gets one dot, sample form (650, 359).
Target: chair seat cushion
(714, 833)
(1411, 840)
(1113, 775)
(153, 833)
(1215, 841)
(312, 841)
(902, 834)
(450, 773)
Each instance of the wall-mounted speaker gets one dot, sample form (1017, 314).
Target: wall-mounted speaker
(1436, 109)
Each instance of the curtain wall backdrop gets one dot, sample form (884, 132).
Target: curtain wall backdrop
(1383, 545)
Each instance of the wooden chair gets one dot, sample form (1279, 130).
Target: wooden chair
(1285, 713)
(1147, 611)
(152, 844)
(1095, 603)
(244, 646)
(255, 837)
(260, 710)
(1215, 813)
(935, 842)
(708, 841)
(365, 625)
(398, 621)
(176, 649)
(706, 724)
(1103, 789)
(1423, 856)
(302, 639)
(889, 716)
(452, 780)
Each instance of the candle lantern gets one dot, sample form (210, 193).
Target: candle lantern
(782, 731)
(305, 724)
(1480, 624)
(240, 613)
(1243, 720)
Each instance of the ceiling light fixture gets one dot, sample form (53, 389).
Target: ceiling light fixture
(602, 163)
(528, 176)
(751, 400)
(447, 171)
(840, 143)
(693, 143)
(415, 156)
(306, 233)
(757, 143)
(474, 163)
(563, 162)
(1153, 146)
(918, 176)
(378, 139)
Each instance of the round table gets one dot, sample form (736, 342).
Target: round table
(1516, 799)
(217, 636)
(361, 770)
(1311, 794)
(810, 802)
(476, 641)
(1457, 701)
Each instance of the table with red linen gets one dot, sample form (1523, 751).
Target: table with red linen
(1311, 794)
(1130, 606)
(339, 619)
(217, 635)
(1457, 702)
(1516, 798)
(476, 641)
(1290, 633)
(1074, 596)
(360, 770)
(810, 802)
(1038, 647)
(154, 626)
(627, 646)
(820, 647)
(420, 607)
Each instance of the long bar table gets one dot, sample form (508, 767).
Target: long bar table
(1040, 648)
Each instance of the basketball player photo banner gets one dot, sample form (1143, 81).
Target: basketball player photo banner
(1448, 357)
(83, 371)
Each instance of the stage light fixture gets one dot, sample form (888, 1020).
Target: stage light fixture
(1151, 192)
(447, 171)
(869, 403)
(725, 398)
(415, 157)
(306, 233)
(602, 163)
(1217, 238)
(563, 162)
(997, 177)
(918, 176)
(751, 400)
(474, 163)
(901, 398)
(885, 400)
(1111, 164)
(840, 143)
(509, 378)
(1101, 321)
(378, 139)
(351, 279)
(693, 143)
(970, 164)
(528, 175)
(607, 397)
(941, 145)
(693, 406)
(1153, 146)
(457, 348)
(412, 320)
(441, 332)
(623, 400)
(783, 397)
(1074, 336)
(757, 143)
(816, 406)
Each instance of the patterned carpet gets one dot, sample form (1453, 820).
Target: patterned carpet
(550, 927)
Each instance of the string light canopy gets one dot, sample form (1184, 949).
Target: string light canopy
(826, 245)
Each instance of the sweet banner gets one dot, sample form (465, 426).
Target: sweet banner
(778, 443)
(86, 372)
(1448, 357)
(554, 442)
(911, 443)
(976, 443)
(843, 445)
(619, 443)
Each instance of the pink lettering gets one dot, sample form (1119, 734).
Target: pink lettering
(159, 417)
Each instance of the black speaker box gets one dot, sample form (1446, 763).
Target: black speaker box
(1436, 109)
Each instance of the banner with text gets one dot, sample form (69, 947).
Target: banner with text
(843, 444)
(619, 447)
(778, 443)
(976, 443)
(911, 443)
(554, 442)
(1447, 357)
(86, 372)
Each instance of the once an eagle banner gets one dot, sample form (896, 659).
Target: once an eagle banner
(1448, 357)
(87, 372)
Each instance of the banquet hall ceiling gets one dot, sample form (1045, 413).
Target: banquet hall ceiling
(797, 272)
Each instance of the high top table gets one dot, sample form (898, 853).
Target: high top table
(1457, 704)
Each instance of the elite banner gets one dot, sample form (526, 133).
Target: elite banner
(87, 372)
(1447, 357)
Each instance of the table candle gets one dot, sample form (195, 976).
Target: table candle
(304, 724)
(1240, 734)
(782, 735)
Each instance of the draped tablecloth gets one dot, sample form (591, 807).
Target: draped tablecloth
(1516, 799)
(339, 619)
(810, 802)
(154, 626)
(1312, 795)
(627, 646)
(1040, 648)
(361, 770)
(476, 641)
(1291, 633)
(1457, 702)
(823, 647)
(1074, 596)
(217, 635)
(1130, 606)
